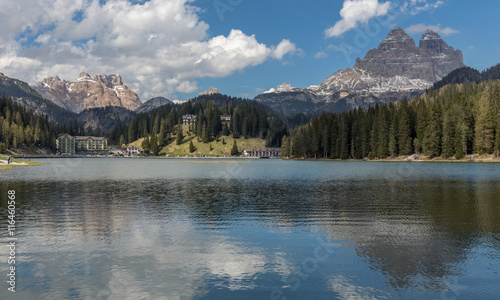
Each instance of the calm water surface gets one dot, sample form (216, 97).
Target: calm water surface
(255, 229)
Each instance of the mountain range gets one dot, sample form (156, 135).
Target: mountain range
(98, 103)
(87, 92)
(396, 69)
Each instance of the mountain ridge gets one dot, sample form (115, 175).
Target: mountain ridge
(397, 68)
(87, 92)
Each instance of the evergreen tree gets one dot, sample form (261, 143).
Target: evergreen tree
(285, 147)
(484, 131)
(162, 137)
(179, 137)
(432, 138)
(156, 124)
(153, 144)
(382, 150)
(146, 145)
(191, 147)
(404, 132)
(448, 147)
(225, 130)
(132, 130)
(234, 149)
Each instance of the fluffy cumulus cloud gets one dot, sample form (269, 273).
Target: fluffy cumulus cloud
(359, 12)
(436, 28)
(355, 12)
(159, 46)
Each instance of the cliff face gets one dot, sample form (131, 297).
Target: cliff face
(397, 55)
(396, 68)
(87, 92)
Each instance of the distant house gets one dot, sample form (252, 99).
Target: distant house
(130, 149)
(225, 118)
(262, 152)
(188, 119)
(68, 144)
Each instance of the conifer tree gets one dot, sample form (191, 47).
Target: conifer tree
(179, 137)
(163, 133)
(191, 147)
(153, 144)
(146, 145)
(432, 137)
(484, 134)
(404, 135)
(234, 149)
(225, 130)
(132, 130)
(448, 147)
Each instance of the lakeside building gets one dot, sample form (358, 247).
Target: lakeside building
(225, 118)
(262, 152)
(130, 149)
(188, 119)
(68, 144)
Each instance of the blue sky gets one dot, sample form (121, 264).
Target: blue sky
(177, 48)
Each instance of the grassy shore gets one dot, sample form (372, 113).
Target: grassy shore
(16, 163)
(217, 148)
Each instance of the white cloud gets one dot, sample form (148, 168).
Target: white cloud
(355, 12)
(436, 28)
(418, 6)
(320, 54)
(283, 48)
(159, 47)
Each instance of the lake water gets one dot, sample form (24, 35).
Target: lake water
(254, 229)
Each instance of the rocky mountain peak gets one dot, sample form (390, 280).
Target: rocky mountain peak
(430, 35)
(396, 69)
(397, 39)
(397, 55)
(84, 75)
(433, 44)
(87, 92)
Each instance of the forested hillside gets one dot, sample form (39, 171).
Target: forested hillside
(468, 75)
(20, 127)
(248, 119)
(453, 121)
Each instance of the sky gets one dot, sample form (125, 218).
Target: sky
(178, 48)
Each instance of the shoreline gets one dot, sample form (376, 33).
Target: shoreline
(20, 160)
(16, 163)
(477, 159)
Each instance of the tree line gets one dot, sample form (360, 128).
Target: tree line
(453, 121)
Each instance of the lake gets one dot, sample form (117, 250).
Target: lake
(252, 229)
